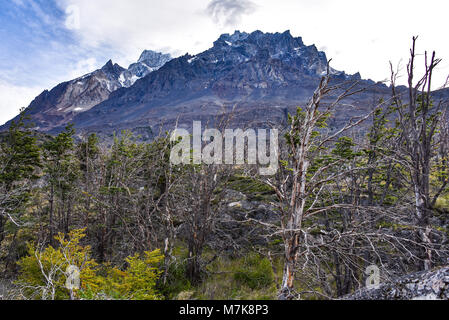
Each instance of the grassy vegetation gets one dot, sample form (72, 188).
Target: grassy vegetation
(247, 278)
(251, 277)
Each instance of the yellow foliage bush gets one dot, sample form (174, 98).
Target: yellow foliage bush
(43, 273)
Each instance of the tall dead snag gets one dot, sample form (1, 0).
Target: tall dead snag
(301, 185)
(419, 123)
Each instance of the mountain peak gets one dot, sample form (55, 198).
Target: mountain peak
(112, 69)
(236, 36)
(260, 38)
(241, 46)
(154, 59)
(149, 61)
(108, 64)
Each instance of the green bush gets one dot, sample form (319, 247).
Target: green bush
(176, 281)
(256, 272)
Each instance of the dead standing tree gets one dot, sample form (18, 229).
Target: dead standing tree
(419, 121)
(301, 188)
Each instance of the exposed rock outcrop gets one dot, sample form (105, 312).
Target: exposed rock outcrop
(433, 285)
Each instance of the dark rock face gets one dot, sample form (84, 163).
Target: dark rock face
(432, 285)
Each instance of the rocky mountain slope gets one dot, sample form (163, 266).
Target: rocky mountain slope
(261, 76)
(61, 104)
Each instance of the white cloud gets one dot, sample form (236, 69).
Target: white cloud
(347, 29)
(130, 27)
(230, 12)
(83, 67)
(13, 99)
(359, 35)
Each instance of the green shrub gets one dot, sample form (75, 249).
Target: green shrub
(176, 281)
(256, 272)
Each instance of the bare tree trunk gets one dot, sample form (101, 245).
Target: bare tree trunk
(419, 121)
(2, 228)
(51, 213)
(286, 292)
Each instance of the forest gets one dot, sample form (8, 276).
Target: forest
(82, 218)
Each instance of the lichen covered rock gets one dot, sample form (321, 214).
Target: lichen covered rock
(432, 285)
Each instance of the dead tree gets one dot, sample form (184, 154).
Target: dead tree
(419, 120)
(301, 188)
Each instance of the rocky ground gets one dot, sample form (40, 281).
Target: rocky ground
(433, 285)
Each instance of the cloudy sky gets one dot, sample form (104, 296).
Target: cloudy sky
(44, 42)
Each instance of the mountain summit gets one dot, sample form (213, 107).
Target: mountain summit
(149, 61)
